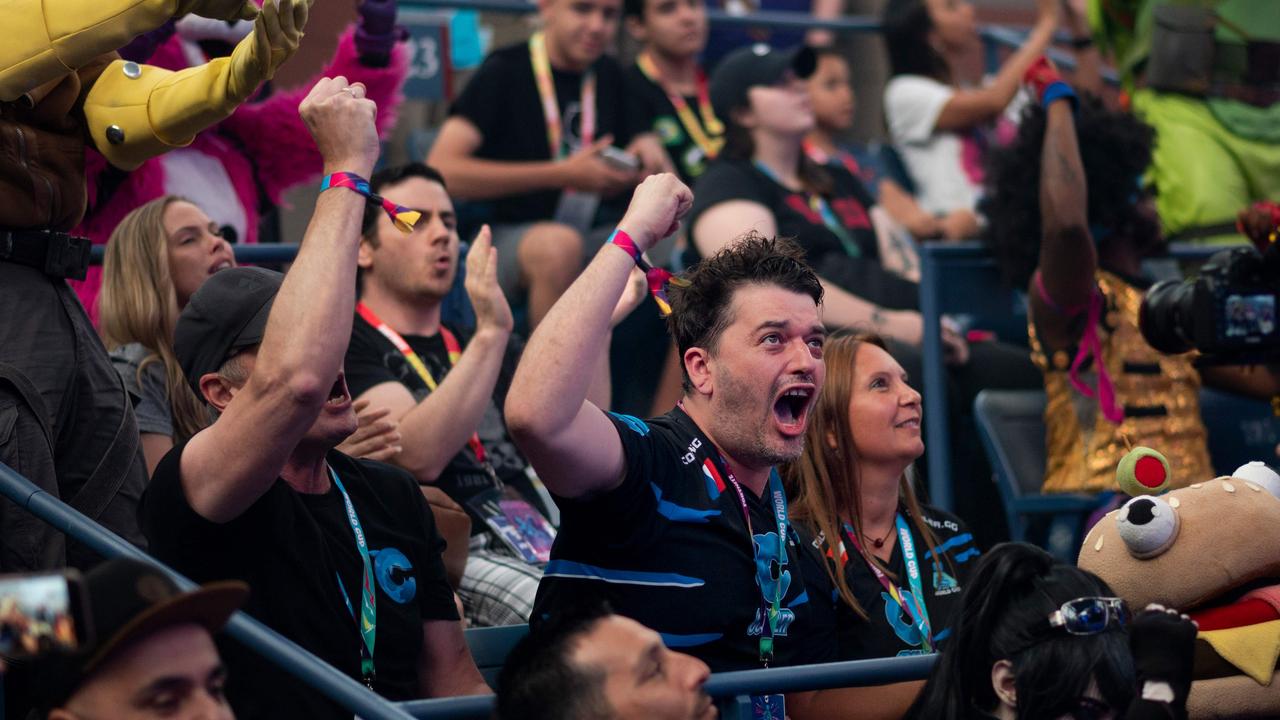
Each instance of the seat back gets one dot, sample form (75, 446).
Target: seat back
(490, 647)
(1011, 425)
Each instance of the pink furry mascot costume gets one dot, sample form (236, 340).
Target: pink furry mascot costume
(256, 155)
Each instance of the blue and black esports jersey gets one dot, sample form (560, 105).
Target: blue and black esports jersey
(670, 548)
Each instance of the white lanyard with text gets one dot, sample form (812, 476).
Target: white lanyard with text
(915, 609)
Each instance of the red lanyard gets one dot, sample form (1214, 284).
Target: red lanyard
(451, 347)
(551, 106)
(708, 136)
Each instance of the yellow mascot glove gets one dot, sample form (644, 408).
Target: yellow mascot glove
(46, 39)
(135, 112)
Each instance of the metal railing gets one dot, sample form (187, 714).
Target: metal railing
(271, 645)
(799, 678)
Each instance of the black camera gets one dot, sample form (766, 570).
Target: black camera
(1228, 313)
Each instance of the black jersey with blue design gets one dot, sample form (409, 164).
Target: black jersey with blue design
(887, 631)
(669, 547)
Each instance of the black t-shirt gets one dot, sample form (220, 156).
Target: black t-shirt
(292, 548)
(372, 360)
(887, 631)
(670, 549)
(653, 112)
(502, 102)
(864, 276)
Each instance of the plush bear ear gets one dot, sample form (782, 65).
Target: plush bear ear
(1143, 471)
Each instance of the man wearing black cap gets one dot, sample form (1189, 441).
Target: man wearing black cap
(154, 655)
(343, 555)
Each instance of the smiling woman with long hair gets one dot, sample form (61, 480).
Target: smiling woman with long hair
(851, 489)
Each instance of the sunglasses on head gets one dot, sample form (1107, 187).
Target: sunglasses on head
(1090, 615)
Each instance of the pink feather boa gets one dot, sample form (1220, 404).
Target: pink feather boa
(264, 148)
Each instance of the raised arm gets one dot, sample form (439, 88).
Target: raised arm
(569, 440)
(1068, 258)
(229, 465)
(967, 108)
(437, 428)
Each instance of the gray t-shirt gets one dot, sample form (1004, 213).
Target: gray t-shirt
(151, 396)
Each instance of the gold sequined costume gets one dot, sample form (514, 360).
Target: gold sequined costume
(1159, 395)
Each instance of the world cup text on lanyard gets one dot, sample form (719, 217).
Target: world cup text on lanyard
(913, 604)
(551, 106)
(454, 350)
(367, 623)
(770, 607)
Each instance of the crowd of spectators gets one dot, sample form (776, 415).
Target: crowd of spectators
(332, 451)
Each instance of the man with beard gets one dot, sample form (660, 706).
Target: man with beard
(681, 522)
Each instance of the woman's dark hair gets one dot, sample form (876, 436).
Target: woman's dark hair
(738, 145)
(906, 26)
(1006, 603)
(1115, 149)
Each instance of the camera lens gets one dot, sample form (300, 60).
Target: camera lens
(1165, 318)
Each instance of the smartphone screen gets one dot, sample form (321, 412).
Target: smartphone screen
(40, 614)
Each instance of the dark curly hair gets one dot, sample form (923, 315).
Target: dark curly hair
(700, 309)
(1115, 148)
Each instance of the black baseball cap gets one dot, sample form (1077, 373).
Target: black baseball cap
(227, 313)
(129, 600)
(753, 65)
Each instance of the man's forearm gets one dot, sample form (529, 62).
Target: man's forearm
(310, 323)
(471, 178)
(556, 370)
(601, 392)
(437, 428)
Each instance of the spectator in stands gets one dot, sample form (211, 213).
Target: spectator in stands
(445, 386)
(898, 566)
(938, 125)
(546, 177)
(590, 664)
(153, 656)
(651, 510)
(764, 181)
(668, 85)
(1038, 638)
(831, 94)
(1075, 185)
(326, 541)
(156, 258)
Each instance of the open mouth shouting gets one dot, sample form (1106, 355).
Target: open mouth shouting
(339, 397)
(791, 408)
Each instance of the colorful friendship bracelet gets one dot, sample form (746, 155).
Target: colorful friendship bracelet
(1047, 83)
(403, 218)
(657, 278)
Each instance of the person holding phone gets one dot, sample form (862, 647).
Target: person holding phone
(541, 156)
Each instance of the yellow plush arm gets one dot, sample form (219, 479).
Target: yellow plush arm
(135, 112)
(46, 39)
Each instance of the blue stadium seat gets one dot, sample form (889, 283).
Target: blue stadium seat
(490, 647)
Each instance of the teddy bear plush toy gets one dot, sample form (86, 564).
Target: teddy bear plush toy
(1211, 550)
